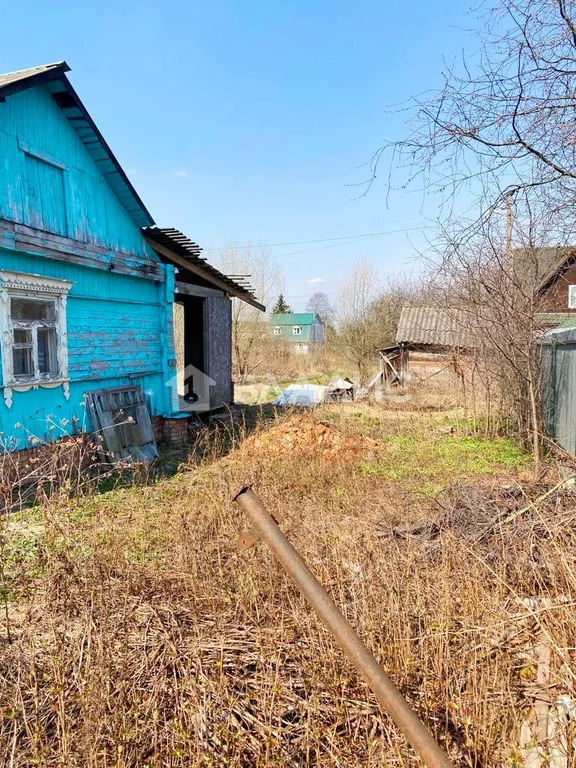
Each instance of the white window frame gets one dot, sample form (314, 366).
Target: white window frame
(20, 285)
(297, 330)
(572, 297)
(277, 331)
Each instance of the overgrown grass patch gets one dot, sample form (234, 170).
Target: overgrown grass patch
(353, 417)
(147, 639)
(428, 456)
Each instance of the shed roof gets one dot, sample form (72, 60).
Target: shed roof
(436, 326)
(176, 247)
(54, 77)
(559, 336)
(293, 318)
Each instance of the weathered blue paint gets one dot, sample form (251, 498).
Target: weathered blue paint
(47, 173)
(119, 325)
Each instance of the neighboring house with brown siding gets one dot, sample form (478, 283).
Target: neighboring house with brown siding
(557, 291)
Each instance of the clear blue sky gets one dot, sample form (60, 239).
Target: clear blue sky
(246, 121)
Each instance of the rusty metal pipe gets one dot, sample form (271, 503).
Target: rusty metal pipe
(389, 696)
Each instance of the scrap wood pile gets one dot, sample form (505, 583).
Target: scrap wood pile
(304, 436)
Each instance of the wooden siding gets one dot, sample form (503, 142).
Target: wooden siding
(33, 241)
(45, 200)
(42, 161)
(555, 298)
(119, 333)
(218, 340)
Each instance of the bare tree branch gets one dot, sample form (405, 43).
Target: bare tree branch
(504, 118)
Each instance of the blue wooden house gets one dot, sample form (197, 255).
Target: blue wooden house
(88, 283)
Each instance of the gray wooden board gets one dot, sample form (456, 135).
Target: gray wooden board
(122, 423)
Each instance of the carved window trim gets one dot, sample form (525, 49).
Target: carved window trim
(25, 285)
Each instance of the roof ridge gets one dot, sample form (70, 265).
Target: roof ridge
(39, 67)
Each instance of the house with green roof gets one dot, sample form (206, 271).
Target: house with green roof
(304, 330)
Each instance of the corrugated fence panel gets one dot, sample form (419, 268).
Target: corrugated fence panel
(547, 390)
(565, 396)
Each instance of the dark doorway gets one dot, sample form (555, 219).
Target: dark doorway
(189, 334)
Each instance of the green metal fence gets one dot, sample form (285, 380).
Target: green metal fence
(558, 359)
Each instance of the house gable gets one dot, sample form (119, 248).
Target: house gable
(298, 327)
(53, 183)
(554, 295)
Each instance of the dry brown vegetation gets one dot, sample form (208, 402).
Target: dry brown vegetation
(138, 636)
(281, 364)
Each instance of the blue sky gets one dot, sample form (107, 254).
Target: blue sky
(248, 121)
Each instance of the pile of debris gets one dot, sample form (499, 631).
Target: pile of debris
(302, 435)
(308, 395)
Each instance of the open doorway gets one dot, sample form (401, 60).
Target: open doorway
(189, 340)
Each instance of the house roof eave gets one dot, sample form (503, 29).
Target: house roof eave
(175, 247)
(72, 107)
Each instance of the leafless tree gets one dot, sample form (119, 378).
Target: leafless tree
(494, 294)
(357, 330)
(368, 309)
(496, 143)
(503, 121)
(395, 293)
(249, 325)
(320, 303)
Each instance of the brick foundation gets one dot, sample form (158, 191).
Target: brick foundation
(158, 428)
(171, 431)
(74, 450)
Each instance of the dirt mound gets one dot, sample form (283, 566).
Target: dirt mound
(301, 435)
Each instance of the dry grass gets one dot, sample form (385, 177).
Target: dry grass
(140, 637)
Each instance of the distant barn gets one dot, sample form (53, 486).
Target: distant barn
(428, 340)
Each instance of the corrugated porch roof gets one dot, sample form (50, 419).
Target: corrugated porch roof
(171, 243)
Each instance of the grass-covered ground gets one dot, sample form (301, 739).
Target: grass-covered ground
(135, 634)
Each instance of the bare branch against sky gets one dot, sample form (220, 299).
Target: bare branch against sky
(502, 122)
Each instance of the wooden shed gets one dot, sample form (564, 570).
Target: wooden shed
(431, 338)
